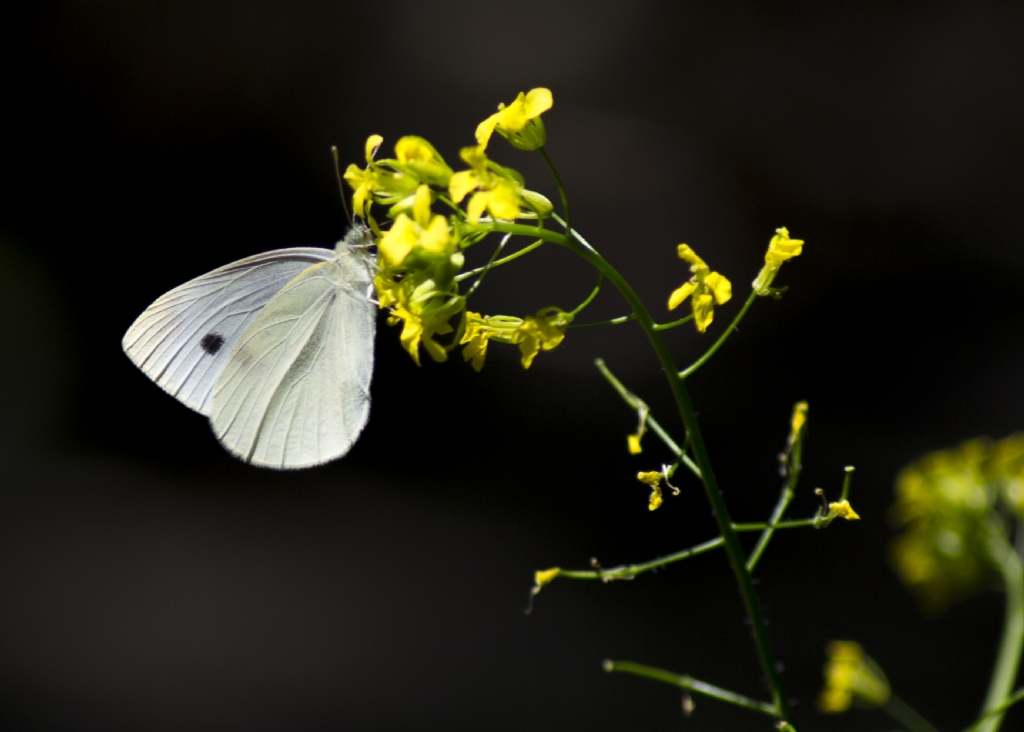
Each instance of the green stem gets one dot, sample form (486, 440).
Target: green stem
(907, 715)
(1017, 697)
(721, 339)
(636, 402)
(793, 466)
(733, 548)
(613, 321)
(499, 262)
(590, 297)
(690, 684)
(629, 571)
(561, 189)
(674, 323)
(1008, 660)
(779, 525)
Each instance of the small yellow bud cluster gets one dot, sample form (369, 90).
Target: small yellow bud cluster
(421, 253)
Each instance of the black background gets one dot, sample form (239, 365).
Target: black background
(150, 581)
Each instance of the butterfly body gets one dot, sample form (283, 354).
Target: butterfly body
(276, 349)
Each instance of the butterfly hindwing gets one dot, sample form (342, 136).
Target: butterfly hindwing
(294, 390)
(183, 339)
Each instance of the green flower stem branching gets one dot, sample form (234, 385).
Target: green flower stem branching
(487, 268)
(590, 297)
(689, 684)
(1017, 697)
(561, 191)
(637, 403)
(613, 321)
(795, 524)
(674, 323)
(1012, 642)
(733, 548)
(499, 262)
(907, 715)
(721, 339)
(629, 571)
(628, 318)
(793, 466)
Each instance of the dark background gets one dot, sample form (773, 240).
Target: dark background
(150, 581)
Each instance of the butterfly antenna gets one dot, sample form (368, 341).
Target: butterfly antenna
(341, 186)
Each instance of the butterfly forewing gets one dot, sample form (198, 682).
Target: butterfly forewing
(294, 390)
(183, 340)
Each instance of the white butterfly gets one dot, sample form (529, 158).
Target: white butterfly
(276, 349)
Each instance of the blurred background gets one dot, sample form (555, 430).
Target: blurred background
(150, 581)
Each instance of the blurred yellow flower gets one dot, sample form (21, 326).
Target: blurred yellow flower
(944, 502)
(851, 675)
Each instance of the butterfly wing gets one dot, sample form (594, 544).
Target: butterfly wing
(183, 340)
(295, 390)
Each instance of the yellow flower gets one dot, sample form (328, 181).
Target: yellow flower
(419, 158)
(842, 509)
(633, 443)
(1007, 468)
(780, 249)
(479, 330)
(419, 326)
(496, 194)
(541, 332)
(519, 122)
(544, 576)
(851, 675)
(423, 232)
(364, 182)
(945, 502)
(652, 479)
(707, 288)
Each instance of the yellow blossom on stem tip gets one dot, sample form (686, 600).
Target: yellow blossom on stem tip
(497, 194)
(705, 289)
(423, 232)
(544, 576)
(419, 328)
(364, 182)
(419, 158)
(541, 332)
(633, 443)
(652, 479)
(850, 674)
(519, 122)
(780, 249)
(842, 509)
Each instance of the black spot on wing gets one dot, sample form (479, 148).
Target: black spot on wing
(212, 342)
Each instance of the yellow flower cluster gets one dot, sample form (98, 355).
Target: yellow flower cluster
(421, 252)
(947, 502)
(851, 675)
(705, 288)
